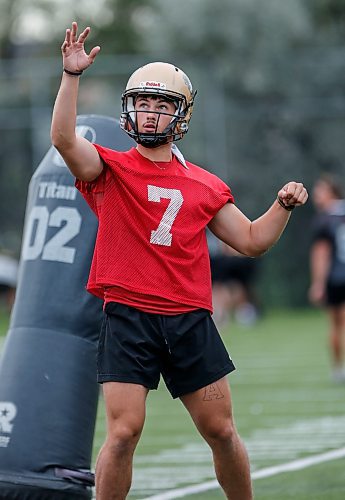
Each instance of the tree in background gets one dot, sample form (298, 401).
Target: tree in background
(280, 65)
(36, 26)
(274, 73)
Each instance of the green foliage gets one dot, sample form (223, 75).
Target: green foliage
(124, 35)
(28, 27)
(4, 320)
(242, 38)
(329, 16)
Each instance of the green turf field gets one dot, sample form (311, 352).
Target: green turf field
(4, 319)
(286, 409)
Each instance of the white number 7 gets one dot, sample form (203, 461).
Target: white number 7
(162, 235)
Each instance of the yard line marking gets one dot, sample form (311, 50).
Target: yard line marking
(299, 464)
(267, 472)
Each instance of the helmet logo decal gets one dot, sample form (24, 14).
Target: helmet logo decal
(153, 85)
(187, 82)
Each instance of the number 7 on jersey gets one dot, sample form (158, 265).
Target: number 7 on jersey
(162, 235)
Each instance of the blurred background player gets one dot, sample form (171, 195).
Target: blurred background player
(327, 264)
(233, 284)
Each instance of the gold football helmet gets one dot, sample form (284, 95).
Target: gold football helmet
(169, 81)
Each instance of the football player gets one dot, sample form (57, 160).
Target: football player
(151, 265)
(327, 264)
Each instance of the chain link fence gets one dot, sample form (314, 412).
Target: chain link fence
(254, 141)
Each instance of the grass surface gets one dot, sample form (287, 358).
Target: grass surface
(4, 320)
(285, 407)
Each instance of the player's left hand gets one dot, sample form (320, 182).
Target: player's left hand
(293, 194)
(74, 57)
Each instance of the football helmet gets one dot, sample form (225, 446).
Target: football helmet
(168, 81)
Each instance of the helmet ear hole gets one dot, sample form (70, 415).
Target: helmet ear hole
(182, 127)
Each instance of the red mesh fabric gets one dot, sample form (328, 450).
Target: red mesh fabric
(151, 236)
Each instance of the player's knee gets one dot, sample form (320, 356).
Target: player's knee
(220, 431)
(123, 439)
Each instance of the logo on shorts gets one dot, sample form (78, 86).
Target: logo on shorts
(8, 412)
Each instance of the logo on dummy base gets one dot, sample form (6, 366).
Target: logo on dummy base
(8, 412)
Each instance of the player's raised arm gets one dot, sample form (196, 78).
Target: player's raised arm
(78, 153)
(255, 238)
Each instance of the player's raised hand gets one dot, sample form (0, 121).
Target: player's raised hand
(293, 194)
(75, 59)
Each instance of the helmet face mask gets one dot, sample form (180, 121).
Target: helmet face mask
(169, 82)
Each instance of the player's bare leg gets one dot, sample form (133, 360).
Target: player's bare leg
(337, 341)
(211, 411)
(125, 409)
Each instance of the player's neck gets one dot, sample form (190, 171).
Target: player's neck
(162, 153)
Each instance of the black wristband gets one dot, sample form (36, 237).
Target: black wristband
(282, 204)
(73, 73)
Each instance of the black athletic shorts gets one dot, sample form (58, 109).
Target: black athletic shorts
(136, 347)
(335, 294)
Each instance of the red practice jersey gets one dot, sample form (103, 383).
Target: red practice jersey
(151, 249)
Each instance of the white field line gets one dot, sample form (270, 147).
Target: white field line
(267, 472)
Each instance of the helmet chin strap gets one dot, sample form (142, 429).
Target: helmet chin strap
(151, 141)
